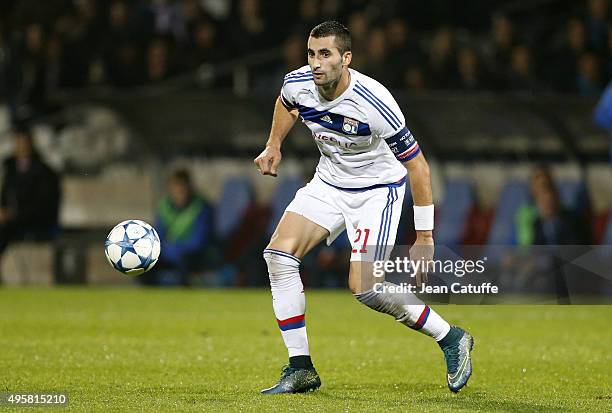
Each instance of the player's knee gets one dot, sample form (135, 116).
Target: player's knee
(283, 268)
(285, 244)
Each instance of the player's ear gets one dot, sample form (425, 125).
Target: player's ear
(346, 58)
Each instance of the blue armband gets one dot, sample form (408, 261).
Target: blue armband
(403, 145)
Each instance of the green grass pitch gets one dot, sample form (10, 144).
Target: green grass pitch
(213, 350)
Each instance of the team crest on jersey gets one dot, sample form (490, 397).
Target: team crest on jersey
(350, 126)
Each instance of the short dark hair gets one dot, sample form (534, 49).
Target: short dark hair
(334, 28)
(181, 176)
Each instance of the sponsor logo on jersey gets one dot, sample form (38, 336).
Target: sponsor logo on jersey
(331, 140)
(327, 119)
(350, 126)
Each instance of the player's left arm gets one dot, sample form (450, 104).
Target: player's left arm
(420, 185)
(406, 150)
(390, 125)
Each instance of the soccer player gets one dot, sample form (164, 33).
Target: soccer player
(366, 153)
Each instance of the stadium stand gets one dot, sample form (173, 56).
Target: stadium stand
(513, 194)
(236, 197)
(456, 206)
(114, 127)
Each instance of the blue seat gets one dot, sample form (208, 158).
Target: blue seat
(513, 195)
(607, 238)
(454, 211)
(574, 195)
(284, 193)
(235, 199)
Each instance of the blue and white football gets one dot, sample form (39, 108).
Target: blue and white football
(132, 247)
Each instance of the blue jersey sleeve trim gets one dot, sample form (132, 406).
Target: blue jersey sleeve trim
(298, 79)
(298, 74)
(377, 107)
(388, 110)
(286, 103)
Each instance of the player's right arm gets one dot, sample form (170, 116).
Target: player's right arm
(282, 121)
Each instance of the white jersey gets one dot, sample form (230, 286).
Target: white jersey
(354, 132)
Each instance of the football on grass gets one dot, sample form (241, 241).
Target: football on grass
(132, 247)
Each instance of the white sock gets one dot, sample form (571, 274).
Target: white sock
(288, 299)
(408, 309)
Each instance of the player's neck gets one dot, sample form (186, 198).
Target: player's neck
(334, 89)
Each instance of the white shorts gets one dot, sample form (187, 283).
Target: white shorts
(370, 216)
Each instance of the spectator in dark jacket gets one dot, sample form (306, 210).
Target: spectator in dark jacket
(544, 220)
(29, 202)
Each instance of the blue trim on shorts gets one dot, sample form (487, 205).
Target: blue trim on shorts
(388, 230)
(383, 217)
(367, 188)
(385, 225)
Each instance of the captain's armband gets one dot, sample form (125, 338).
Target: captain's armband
(403, 145)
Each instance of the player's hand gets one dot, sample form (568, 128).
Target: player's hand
(422, 253)
(268, 160)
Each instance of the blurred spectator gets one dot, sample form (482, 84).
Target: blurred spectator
(588, 81)
(54, 66)
(331, 9)
(377, 63)
(203, 46)
(470, 76)
(124, 65)
(414, 79)
(78, 34)
(115, 42)
(572, 45)
(521, 76)
(191, 13)
(184, 225)
(30, 196)
(442, 58)
(597, 24)
(159, 65)
(544, 221)
(309, 15)
(404, 49)
(248, 28)
(168, 18)
(358, 25)
(122, 56)
(498, 51)
(26, 78)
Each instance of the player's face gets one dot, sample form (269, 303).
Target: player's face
(325, 60)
